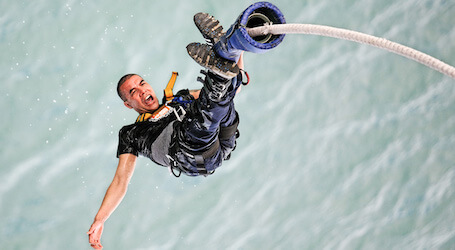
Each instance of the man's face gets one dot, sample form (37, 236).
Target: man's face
(139, 95)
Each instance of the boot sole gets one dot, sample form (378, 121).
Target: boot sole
(209, 27)
(205, 56)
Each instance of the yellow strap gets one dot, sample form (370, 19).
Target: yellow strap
(170, 85)
(143, 117)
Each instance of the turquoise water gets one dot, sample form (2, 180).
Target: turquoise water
(343, 146)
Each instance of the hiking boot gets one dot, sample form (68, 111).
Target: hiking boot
(209, 27)
(215, 85)
(205, 56)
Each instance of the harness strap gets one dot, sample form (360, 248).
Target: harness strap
(207, 154)
(227, 132)
(168, 94)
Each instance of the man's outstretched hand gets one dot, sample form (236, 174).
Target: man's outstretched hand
(94, 234)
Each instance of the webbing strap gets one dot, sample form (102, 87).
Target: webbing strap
(168, 94)
(207, 154)
(227, 132)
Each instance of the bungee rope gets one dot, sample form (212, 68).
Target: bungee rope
(355, 36)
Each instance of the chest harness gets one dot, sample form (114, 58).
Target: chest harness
(176, 105)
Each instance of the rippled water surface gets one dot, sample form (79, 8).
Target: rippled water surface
(343, 146)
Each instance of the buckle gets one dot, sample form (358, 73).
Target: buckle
(180, 116)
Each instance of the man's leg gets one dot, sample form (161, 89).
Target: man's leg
(209, 129)
(198, 135)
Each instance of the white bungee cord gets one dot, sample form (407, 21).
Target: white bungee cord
(322, 30)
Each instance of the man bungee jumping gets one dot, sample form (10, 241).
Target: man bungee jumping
(192, 132)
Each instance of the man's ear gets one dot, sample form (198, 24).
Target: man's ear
(127, 105)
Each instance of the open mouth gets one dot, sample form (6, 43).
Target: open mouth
(148, 99)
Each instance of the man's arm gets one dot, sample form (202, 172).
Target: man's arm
(195, 93)
(240, 62)
(114, 195)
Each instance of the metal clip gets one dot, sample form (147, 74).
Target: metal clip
(172, 165)
(180, 117)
